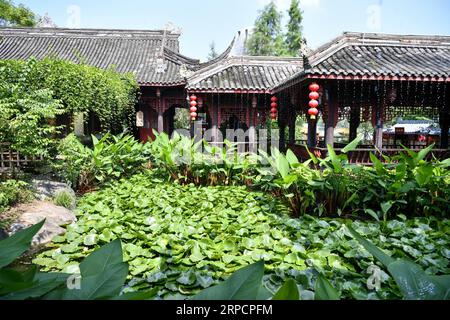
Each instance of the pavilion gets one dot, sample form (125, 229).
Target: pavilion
(363, 78)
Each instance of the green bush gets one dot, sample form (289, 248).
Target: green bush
(406, 184)
(64, 199)
(25, 120)
(80, 88)
(111, 158)
(13, 192)
(179, 159)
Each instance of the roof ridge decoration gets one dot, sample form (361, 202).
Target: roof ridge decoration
(412, 56)
(130, 51)
(85, 31)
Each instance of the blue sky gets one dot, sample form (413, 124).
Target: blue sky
(204, 21)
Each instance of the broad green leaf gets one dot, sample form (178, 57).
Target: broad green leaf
(13, 247)
(138, 296)
(414, 283)
(312, 156)
(352, 145)
(103, 285)
(336, 162)
(424, 174)
(282, 165)
(373, 214)
(289, 291)
(291, 158)
(444, 282)
(244, 284)
(102, 259)
(424, 152)
(373, 250)
(43, 283)
(377, 163)
(324, 290)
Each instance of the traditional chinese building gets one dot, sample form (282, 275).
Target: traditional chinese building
(361, 78)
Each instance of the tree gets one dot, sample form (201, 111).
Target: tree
(294, 29)
(267, 39)
(16, 16)
(212, 51)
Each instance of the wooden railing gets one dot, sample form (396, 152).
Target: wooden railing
(11, 160)
(362, 154)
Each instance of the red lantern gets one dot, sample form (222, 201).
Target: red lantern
(273, 116)
(314, 103)
(314, 87)
(193, 103)
(274, 105)
(193, 109)
(313, 112)
(314, 95)
(194, 115)
(274, 99)
(193, 97)
(273, 110)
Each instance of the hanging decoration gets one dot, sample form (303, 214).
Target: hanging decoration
(193, 108)
(314, 102)
(274, 108)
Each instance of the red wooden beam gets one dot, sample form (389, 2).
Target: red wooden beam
(238, 91)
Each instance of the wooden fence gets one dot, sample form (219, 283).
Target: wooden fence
(11, 160)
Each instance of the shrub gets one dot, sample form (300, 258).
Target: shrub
(25, 120)
(64, 199)
(80, 88)
(181, 159)
(111, 158)
(405, 184)
(12, 192)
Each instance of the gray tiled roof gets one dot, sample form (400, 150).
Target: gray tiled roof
(373, 55)
(244, 73)
(134, 51)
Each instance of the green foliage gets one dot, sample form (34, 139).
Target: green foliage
(12, 192)
(111, 158)
(288, 291)
(14, 246)
(181, 239)
(181, 159)
(64, 199)
(25, 119)
(294, 37)
(80, 88)
(324, 290)
(212, 51)
(102, 274)
(16, 16)
(413, 282)
(406, 184)
(267, 39)
(244, 284)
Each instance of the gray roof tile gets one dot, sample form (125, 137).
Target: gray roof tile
(130, 51)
